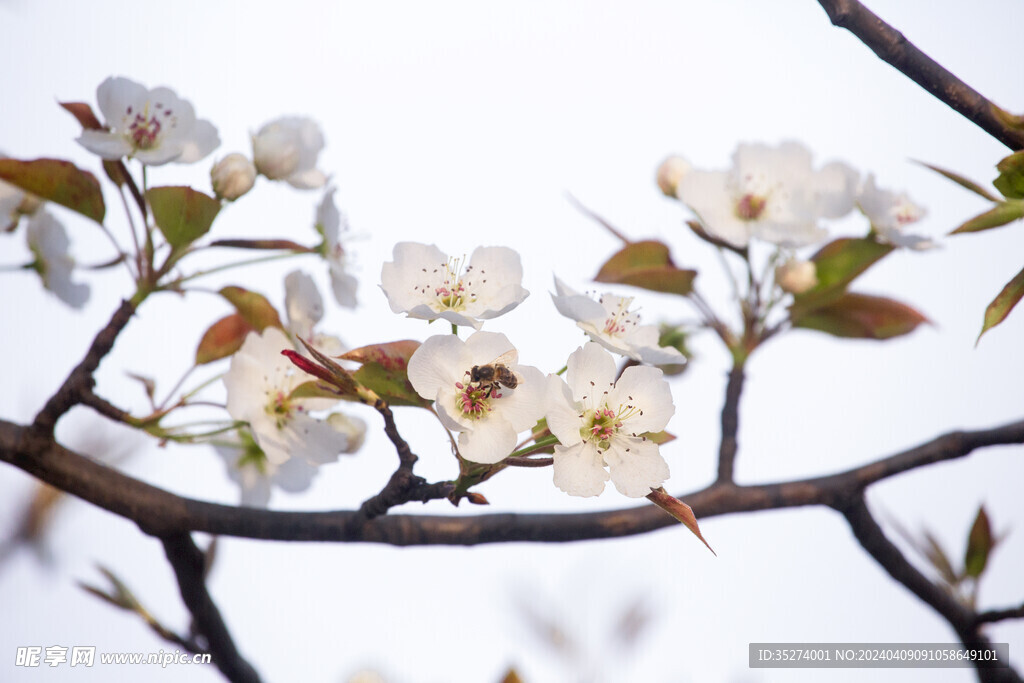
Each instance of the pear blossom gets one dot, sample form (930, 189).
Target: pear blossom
(487, 414)
(602, 423)
(771, 193)
(332, 225)
(49, 243)
(232, 176)
(153, 126)
(259, 384)
(610, 322)
(796, 276)
(248, 466)
(287, 149)
(423, 282)
(890, 213)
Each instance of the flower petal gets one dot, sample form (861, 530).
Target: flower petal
(435, 365)
(637, 470)
(563, 415)
(490, 441)
(579, 470)
(103, 144)
(644, 387)
(591, 370)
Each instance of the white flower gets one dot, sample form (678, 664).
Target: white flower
(153, 126)
(249, 468)
(796, 276)
(670, 174)
(602, 424)
(332, 224)
(487, 413)
(232, 176)
(259, 383)
(49, 244)
(287, 149)
(304, 308)
(890, 213)
(771, 193)
(423, 282)
(609, 322)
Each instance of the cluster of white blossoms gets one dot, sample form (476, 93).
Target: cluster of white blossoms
(776, 195)
(482, 393)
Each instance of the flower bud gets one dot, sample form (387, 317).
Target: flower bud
(671, 172)
(796, 277)
(232, 176)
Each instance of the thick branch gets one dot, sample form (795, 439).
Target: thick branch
(892, 47)
(160, 513)
(81, 380)
(187, 561)
(730, 424)
(961, 618)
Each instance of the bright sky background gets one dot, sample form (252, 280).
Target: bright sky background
(466, 123)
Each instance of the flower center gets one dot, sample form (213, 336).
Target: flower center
(473, 399)
(280, 408)
(452, 293)
(600, 426)
(144, 126)
(620, 319)
(750, 207)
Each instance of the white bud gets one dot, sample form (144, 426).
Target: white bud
(670, 174)
(233, 176)
(796, 277)
(287, 149)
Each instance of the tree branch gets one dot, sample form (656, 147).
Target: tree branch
(81, 379)
(730, 424)
(160, 513)
(961, 618)
(188, 564)
(892, 47)
(994, 615)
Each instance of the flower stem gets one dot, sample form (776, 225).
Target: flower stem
(537, 446)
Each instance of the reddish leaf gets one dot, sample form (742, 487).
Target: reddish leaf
(680, 510)
(963, 182)
(648, 265)
(57, 181)
(223, 338)
(860, 316)
(385, 371)
(261, 244)
(1003, 303)
(979, 545)
(253, 307)
(83, 114)
(700, 232)
(182, 214)
(326, 369)
(837, 264)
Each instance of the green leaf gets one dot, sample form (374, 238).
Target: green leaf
(979, 545)
(223, 338)
(935, 554)
(385, 371)
(182, 214)
(680, 510)
(963, 182)
(253, 307)
(1003, 213)
(1011, 176)
(1003, 303)
(860, 316)
(648, 265)
(57, 181)
(314, 389)
(837, 264)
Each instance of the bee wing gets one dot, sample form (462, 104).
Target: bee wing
(508, 359)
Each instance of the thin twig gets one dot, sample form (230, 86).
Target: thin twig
(994, 615)
(730, 425)
(893, 48)
(597, 218)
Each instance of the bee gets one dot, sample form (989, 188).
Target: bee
(497, 373)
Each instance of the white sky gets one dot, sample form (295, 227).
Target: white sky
(465, 124)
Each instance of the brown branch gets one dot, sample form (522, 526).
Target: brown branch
(160, 513)
(994, 615)
(730, 425)
(960, 617)
(893, 48)
(188, 563)
(81, 380)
